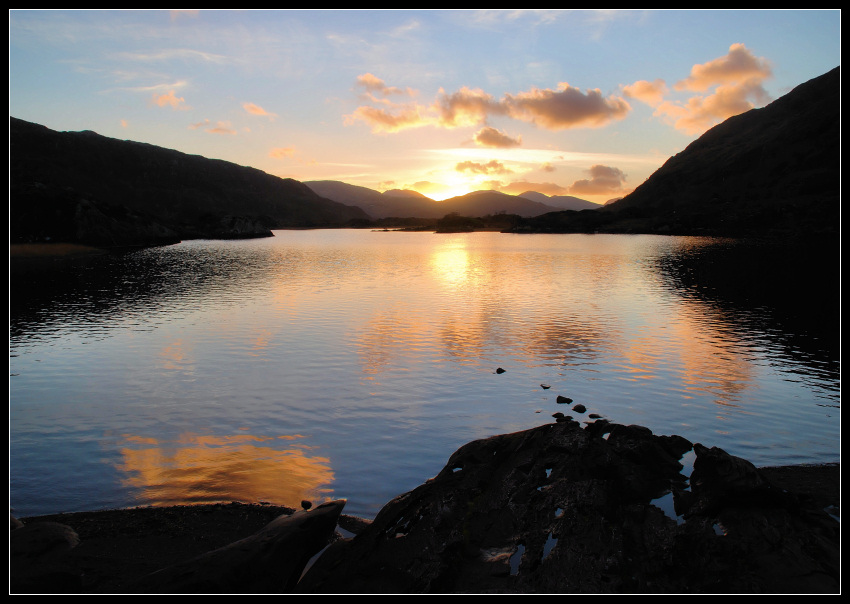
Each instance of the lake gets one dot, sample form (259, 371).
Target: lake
(322, 364)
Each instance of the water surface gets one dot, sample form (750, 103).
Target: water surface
(351, 364)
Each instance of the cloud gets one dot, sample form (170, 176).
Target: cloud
(170, 99)
(558, 109)
(651, 93)
(374, 84)
(257, 110)
(735, 81)
(737, 66)
(566, 107)
(466, 107)
(282, 152)
(219, 128)
(603, 180)
(491, 167)
(383, 120)
(490, 137)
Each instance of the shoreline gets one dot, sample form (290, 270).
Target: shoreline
(119, 546)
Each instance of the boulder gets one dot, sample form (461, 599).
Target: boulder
(270, 561)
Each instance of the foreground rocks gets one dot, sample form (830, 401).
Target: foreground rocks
(562, 508)
(566, 509)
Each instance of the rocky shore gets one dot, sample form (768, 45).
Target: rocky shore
(561, 508)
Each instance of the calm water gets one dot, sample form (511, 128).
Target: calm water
(351, 364)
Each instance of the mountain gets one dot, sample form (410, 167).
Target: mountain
(402, 204)
(563, 202)
(378, 205)
(483, 203)
(773, 171)
(88, 188)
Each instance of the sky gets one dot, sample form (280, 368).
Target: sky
(563, 102)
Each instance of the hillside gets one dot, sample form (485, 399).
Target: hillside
(773, 171)
(86, 188)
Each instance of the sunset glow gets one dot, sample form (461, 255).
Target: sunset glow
(443, 102)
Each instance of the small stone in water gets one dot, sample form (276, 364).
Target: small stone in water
(500, 370)
(563, 400)
(579, 408)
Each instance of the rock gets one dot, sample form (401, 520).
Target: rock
(270, 561)
(563, 400)
(560, 509)
(38, 559)
(545, 386)
(500, 370)
(306, 505)
(579, 408)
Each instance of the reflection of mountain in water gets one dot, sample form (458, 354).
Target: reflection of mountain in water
(788, 295)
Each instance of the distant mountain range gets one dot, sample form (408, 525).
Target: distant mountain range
(773, 171)
(770, 171)
(400, 203)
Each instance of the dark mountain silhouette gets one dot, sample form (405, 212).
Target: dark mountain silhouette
(376, 204)
(87, 188)
(563, 202)
(483, 203)
(773, 171)
(402, 204)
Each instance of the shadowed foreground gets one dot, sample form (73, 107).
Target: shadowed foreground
(556, 509)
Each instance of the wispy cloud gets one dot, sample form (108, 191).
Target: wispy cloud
(254, 109)
(220, 127)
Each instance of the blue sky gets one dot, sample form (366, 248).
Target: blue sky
(584, 103)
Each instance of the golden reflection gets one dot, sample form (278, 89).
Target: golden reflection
(205, 468)
(451, 265)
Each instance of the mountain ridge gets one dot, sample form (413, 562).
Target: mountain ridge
(54, 177)
(770, 172)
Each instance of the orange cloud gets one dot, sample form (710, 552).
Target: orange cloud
(257, 110)
(737, 66)
(490, 137)
(219, 128)
(282, 152)
(171, 100)
(382, 120)
(651, 93)
(466, 107)
(491, 167)
(566, 107)
(736, 80)
(603, 180)
(375, 84)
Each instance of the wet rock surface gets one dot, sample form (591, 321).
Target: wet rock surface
(569, 509)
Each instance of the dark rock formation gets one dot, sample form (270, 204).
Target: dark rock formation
(38, 555)
(270, 561)
(159, 190)
(566, 509)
